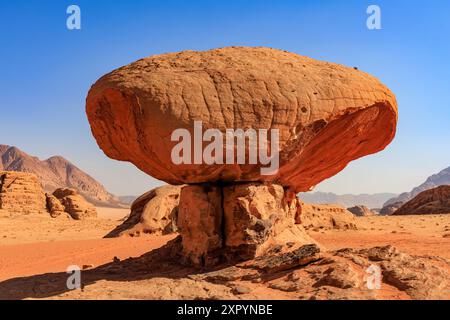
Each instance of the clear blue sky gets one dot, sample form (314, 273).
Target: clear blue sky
(46, 71)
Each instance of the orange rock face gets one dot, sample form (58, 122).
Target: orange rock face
(327, 114)
(21, 193)
(155, 212)
(327, 217)
(433, 201)
(74, 204)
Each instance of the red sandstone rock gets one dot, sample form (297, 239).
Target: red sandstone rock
(327, 217)
(361, 211)
(433, 201)
(155, 212)
(21, 193)
(327, 114)
(200, 219)
(74, 204)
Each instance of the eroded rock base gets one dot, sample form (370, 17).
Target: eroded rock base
(229, 223)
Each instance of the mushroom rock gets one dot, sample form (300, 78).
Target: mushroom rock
(325, 115)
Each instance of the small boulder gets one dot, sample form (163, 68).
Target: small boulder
(361, 211)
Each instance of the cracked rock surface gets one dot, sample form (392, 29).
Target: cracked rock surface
(327, 114)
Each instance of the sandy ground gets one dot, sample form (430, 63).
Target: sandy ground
(35, 246)
(417, 235)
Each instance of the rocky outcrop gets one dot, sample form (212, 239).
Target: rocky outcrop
(74, 204)
(316, 106)
(436, 180)
(200, 220)
(236, 222)
(390, 208)
(361, 211)
(56, 172)
(21, 193)
(155, 212)
(433, 201)
(325, 115)
(54, 206)
(325, 217)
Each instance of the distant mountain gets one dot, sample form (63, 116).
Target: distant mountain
(347, 200)
(436, 180)
(57, 172)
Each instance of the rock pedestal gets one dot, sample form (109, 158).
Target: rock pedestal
(228, 223)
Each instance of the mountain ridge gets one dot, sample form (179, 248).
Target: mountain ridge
(372, 201)
(57, 172)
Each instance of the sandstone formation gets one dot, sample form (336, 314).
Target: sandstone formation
(56, 172)
(155, 212)
(433, 201)
(54, 206)
(436, 180)
(74, 204)
(361, 211)
(390, 208)
(325, 217)
(236, 222)
(327, 114)
(21, 193)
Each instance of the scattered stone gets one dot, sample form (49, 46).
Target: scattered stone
(299, 257)
(87, 266)
(238, 289)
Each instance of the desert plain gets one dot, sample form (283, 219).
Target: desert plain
(36, 251)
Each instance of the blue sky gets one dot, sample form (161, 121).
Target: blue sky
(46, 71)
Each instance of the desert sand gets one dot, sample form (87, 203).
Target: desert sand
(35, 253)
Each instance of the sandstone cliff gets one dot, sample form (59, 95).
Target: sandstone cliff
(433, 201)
